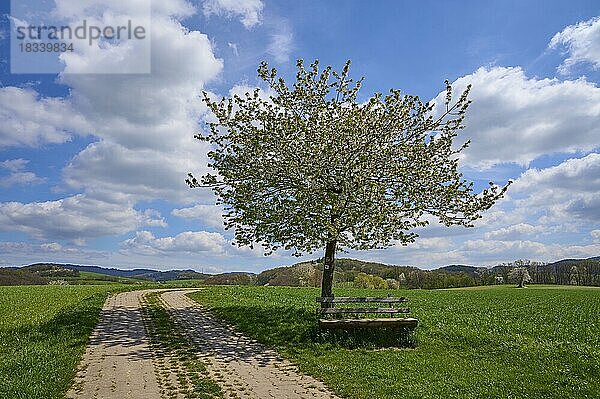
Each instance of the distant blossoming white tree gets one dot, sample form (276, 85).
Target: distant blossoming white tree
(313, 167)
(520, 275)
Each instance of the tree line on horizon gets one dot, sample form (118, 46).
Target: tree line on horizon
(351, 273)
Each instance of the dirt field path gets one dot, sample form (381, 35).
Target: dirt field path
(243, 367)
(118, 361)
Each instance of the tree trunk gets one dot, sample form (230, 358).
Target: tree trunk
(327, 282)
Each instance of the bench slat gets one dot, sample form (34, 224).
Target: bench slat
(369, 323)
(360, 300)
(362, 310)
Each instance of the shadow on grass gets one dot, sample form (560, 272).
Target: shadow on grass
(366, 338)
(286, 327)
(39, 361)
(75, 322)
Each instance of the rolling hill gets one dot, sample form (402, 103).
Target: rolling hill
(566, 271)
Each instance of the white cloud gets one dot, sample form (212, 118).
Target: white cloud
(51, 247)
(194, 242)
(281, 43)
(145, 123)
(72, 218)
(430, 243)
(31, 121)
(76, 9)
(514, 232)
(582, 43)
(546, 216)
(182, 62)
(106, 169)
(201, 245)
(563, 194)
(577, 175)
(249, 11)
(482, 252)
(209, 215)
(114, 56)
(242, 89)
(500, 251)
(514, 118)
(14, 165)
(21, 253)
(17, 174)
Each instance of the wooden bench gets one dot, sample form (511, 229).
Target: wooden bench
(374, 319)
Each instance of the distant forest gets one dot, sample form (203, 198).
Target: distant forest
(360, 274)
(349, 273)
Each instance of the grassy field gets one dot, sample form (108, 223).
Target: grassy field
(43, 332)
(175, 354)
(487, 342)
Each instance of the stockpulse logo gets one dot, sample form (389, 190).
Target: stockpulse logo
(90, 33)
(93, 38)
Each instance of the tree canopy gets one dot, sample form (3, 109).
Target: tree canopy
(520, 275)
(310, 166)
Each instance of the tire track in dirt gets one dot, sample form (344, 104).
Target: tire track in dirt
(243, 367)
(118, 361)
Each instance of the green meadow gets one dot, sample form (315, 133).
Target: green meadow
(43, 333)
(484, 342)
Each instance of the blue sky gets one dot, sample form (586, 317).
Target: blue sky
(92, 166)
